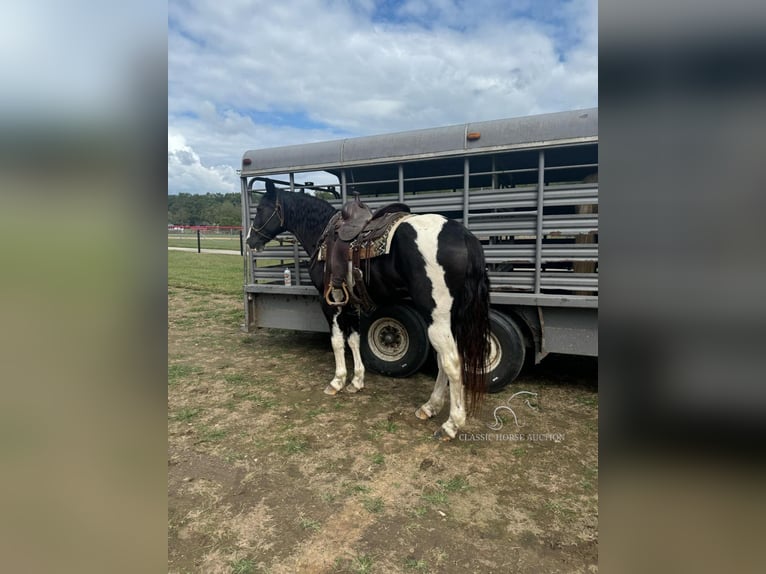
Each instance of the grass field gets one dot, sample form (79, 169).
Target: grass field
(205, 272)
(266, 473)
(211, 272)
(206, 241)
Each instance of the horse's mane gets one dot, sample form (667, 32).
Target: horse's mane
(307, 209)
(307, 216)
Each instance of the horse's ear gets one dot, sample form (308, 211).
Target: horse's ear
(270, 187)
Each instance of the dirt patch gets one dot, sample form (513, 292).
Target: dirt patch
(268, 474)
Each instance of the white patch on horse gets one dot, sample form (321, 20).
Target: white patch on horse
(428, 227)
(436, 400)
(251, 235)
(338, 348)
(354, 343)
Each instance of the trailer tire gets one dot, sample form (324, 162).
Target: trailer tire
(395, 341)
(507, 352)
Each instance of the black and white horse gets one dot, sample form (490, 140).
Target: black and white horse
(435, 264)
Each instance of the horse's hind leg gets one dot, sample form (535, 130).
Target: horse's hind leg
(456, 408)
(442, 340)
(354, 343)
(436, 401)
(338, 347)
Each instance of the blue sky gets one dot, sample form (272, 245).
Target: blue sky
(248, 74)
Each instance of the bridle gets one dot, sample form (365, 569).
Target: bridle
(277, 211)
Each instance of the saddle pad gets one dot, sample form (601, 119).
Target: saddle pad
(375, 239)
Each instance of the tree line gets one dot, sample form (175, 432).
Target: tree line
(208, 209)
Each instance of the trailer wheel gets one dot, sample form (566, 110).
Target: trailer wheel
(506, 355)
(395, 342)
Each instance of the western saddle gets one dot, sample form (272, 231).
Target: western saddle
(352, 235)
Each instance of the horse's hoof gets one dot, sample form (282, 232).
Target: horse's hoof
(330, 390)
(422, 414)
(352, 389)
(442, 435)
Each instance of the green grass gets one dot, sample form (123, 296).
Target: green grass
(252, 396)
(419, 511)
(315, 412)
(357, 488)
(439, 495)
(380, 427)
(232, 457)
(206, 242)
(328, 497)
(295, 445)
(243, 566)
(207, 434)
(390, 426)
(373, 504)
(178, 372)
(418, 565)
(558, 508)
(455, 484)
(378, 458)
(590, 475)
(205, 272)
(186, 414)
(309, 524)
(362, 564)
(588, 400)
(236, 379)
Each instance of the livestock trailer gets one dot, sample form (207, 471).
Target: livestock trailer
(526, 187)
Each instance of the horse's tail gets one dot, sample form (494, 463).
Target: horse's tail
(470, 324)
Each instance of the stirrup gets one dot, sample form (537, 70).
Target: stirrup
(333, 303)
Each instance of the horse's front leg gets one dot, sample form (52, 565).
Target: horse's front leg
(357, 383)
(338, 347)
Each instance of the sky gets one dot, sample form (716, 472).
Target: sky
(250, 74)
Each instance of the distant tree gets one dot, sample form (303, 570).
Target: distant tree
(207, 209)
(229, 214)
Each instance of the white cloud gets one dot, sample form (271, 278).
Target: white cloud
(187, 174)
(244, 75)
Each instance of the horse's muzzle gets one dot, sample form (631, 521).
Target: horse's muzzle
(256, 246)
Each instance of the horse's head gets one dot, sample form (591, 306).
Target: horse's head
(268, 221)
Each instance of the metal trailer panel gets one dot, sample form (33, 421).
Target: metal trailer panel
(433, 141)
(534, 131)
(287, 308)
(570, 331)
(280, 159)
(542, 128)
(543, 300)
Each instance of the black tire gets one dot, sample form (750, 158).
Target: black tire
(395, 341)
(506, 352)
